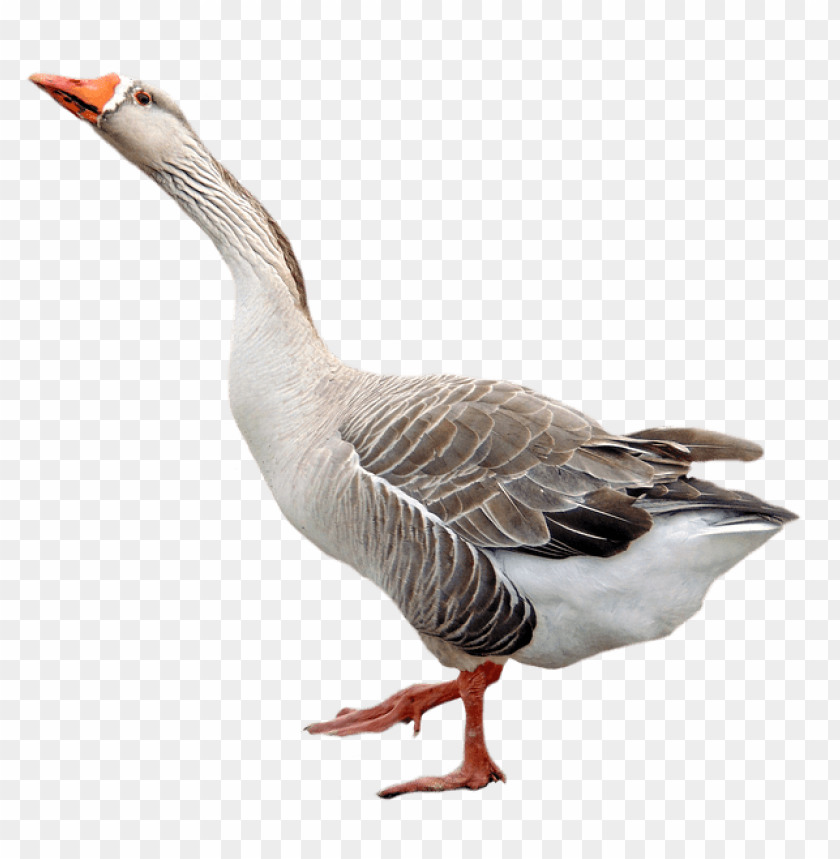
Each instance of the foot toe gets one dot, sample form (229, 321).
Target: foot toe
(460, 779)
(344, 712)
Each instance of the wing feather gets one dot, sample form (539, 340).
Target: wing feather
(517, 521)
(509, 439)
(530, 493)
(505, 467)
(612, 465)
(705, 445)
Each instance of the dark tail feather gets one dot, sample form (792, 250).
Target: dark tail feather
(690, 493)
(704, 445)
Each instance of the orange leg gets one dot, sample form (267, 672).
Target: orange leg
(477, 770)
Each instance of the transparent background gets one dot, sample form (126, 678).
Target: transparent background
(631, 207)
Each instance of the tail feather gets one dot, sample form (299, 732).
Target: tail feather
(691, 493)
(704, 445)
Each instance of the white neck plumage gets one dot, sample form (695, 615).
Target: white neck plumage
(278, 360)
(245, 235)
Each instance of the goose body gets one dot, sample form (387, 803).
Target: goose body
(502, 523)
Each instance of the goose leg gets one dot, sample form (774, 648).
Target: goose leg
(405, 706)
(478, 768)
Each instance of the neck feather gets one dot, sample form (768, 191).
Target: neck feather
(246, 236)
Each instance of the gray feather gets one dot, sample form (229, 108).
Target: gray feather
(705, 445)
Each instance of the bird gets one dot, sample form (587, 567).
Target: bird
(504, 524)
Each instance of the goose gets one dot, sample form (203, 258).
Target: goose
(503, 524)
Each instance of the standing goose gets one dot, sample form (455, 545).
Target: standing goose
(503, 524)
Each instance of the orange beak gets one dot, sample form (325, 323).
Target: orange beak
(85, 99)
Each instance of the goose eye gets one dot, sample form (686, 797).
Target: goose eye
(142, 97)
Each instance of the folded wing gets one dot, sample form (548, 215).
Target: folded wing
(505, 467)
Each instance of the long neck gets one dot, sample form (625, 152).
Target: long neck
(278, 361)
(248, 239)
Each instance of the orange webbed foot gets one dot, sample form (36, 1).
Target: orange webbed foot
(405, 706)
(473, 777)
(478, 769)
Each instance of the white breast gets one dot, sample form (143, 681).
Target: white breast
(587, 605)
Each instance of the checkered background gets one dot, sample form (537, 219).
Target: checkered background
(629, 208)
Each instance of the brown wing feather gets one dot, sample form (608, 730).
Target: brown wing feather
(505, 467)
(705, 445)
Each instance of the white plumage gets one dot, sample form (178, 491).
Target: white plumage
(587, 605)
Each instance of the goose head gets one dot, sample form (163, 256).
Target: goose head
(140, 121)
(147, 127)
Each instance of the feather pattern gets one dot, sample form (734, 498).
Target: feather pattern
(446, 587)
(507, 469)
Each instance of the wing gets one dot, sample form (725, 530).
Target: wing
(447, 589)
(505, 467)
